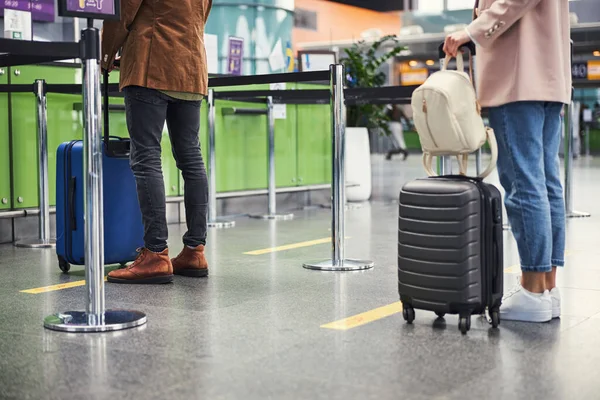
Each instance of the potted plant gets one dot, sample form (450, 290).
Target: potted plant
(363, 62)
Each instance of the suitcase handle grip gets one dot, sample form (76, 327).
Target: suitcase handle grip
(469, 46)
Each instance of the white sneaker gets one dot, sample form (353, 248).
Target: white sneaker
(522, 305)
(555, 293)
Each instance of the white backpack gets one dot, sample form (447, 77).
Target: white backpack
(448, 119)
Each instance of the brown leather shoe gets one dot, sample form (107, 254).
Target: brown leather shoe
(148, 268)
(191, 262)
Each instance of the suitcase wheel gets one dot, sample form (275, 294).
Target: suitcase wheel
(408, 313)
(63, 265)
(440, 314)
(495, 314)
(464, 324)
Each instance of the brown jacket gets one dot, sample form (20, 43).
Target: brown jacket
(162, 44)
(523, 51)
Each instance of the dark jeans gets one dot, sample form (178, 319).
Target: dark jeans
(147, 110)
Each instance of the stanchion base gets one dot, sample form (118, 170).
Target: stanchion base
(344, 265)
(77, 321)
(274, 217)
(36, 244)
(221, 224)
(578, 214)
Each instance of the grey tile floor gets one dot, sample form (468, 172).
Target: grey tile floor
(252, 330)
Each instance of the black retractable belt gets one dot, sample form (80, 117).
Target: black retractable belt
(118, 147)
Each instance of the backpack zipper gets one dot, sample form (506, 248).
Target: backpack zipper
(427, 120)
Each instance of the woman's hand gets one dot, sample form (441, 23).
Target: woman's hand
(454, 41)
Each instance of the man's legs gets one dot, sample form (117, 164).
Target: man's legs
(146, 111)
(519, 131)
(183, 120)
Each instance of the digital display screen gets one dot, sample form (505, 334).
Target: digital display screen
(97, 9)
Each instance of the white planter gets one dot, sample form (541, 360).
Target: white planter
(358, 165)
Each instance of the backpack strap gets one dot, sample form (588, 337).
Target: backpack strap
(491, 139)
(463, 158)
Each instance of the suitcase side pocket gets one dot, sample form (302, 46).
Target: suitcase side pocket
(71, 204)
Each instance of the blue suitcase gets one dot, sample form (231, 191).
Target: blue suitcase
(123, 228)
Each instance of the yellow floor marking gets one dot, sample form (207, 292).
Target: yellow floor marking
(53, 288)
(365, 318)
(289, 247)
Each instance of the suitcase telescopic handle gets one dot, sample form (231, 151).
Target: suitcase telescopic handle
(106, 104)
(469, 46)
(121, 148)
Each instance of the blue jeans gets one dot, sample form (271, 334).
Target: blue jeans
(529, 137)
(146, 111)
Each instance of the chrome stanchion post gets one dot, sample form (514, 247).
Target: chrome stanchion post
(338, 262)
(587, 139)
(569, 131)
(44, 240)
(213, 222)
(444, 164)
(95, 318)
(478, 161)
(272, 190)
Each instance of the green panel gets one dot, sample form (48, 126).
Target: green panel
(5, 194)
(64, 124)
(203, 142)
(412, 140)
(241, 150)
(240, 145)
(594, 141)
(286, 148)
(169, 168)
(314, 142)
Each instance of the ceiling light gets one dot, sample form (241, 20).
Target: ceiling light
(412, 63)
(597, 53)
(430, 62)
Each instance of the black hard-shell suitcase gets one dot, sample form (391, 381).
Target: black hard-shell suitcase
(450, 248)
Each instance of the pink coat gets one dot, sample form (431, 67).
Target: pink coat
(523, 51)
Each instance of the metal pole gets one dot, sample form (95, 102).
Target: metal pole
(569, 165)
(587, 139)
(444, 164)
(93, 196)
(44, 240)
(271, 160)
(272, 176)
(478, 161)
(95, 318)
(213, 222)
(338, 262)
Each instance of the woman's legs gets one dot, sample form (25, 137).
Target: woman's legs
(519, 129)
(552, 138)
